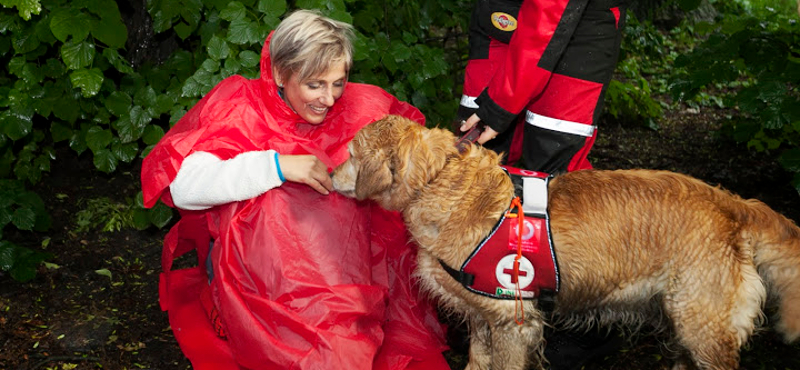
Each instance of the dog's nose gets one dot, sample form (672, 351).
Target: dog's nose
(342, 183)
(341, 188)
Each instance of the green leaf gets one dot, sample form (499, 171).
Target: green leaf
(7, 253)
(233, 12)
(162, 20)
(216, 4)
(23, 218)
(790, 160)
(218, 49)
(232, 67)
(8, 22)
(272, 8)
(65, 22)
(210, 65)
(141, 219)
(88, 80)
(103, 272)
(5, 212)
(191, 14)
(689, 5)
(118, 103)
(66, 109)
(111, 32)
(77, 55)
(24, 42)
(20, 99)
(34, 202)
(399, 51)
(152, 134)
(249, 59)
(267, 25)
(146, 96)
(139, 117)
(54, 68)
(101, 8)
(180, 60)
(160, 215)
(191, 88)
(43, 32)
(60, 132)
(125, 152)
(143, 153)
(204, 78)
(772, 117)
(105, 160)
(183, 30)
(98, 138)
(24, 7)
(15, 65)
(175, 114)
(796, 181)
(163, 104)
(339, 13)
(5, 219)
(125, 130)
(32, 75)
(131, 127)
(771, 91)
(116, 60)
(23, 261)
(23, 272)
(77, 142)
(138, 200)
(41, 164)
(16, 124)
(791, 108)
(243, 32)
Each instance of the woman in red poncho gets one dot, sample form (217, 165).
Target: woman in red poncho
(291, 275)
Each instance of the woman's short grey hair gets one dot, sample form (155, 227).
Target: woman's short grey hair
(307, 44)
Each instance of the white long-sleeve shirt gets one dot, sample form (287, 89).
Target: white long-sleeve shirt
(204, 180)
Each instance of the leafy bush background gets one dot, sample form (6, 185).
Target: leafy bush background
(108, 82)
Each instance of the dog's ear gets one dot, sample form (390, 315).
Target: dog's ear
(374, 175)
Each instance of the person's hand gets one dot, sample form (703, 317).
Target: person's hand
(487, 134)
(306, 169)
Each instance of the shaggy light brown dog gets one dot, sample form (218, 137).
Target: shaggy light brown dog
(634, 247)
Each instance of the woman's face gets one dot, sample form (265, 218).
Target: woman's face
(312, 98)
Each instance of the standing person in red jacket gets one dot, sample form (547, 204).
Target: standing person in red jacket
(536, 76)
(291, 275)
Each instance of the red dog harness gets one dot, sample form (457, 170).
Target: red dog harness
(505, 266)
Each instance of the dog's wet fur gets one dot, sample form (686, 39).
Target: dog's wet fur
(635, 248)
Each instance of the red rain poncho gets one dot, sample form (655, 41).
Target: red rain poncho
(301, 280)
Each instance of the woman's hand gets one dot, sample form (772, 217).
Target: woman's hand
(487, 134)
(306, 169)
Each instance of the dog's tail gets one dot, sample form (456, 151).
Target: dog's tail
(775, 240)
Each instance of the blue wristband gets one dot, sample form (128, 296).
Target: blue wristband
(278, 167)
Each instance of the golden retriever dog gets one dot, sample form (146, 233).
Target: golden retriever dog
(634, 247)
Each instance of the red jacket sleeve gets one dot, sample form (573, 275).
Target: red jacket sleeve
(545, 27)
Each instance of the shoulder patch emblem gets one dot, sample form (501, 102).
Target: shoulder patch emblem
(504, 21)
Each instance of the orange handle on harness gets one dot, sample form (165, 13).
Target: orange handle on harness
(519, 315)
